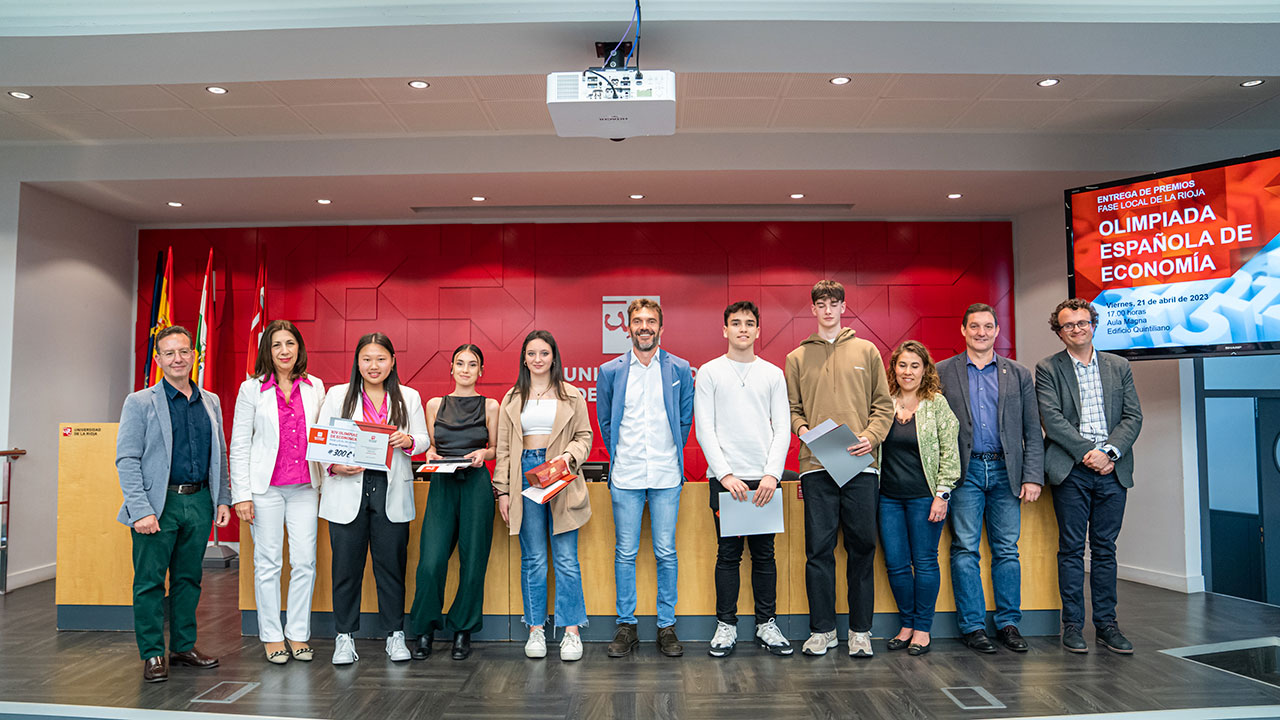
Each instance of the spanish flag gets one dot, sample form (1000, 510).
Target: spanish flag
(202, 370)
(161, 314)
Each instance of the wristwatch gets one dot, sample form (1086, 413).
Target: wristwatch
(944, 496)
(1112, 453)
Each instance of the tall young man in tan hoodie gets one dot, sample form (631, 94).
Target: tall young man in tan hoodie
(836, 375)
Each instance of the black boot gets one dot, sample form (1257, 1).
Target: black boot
(461, 645)
(423, 650)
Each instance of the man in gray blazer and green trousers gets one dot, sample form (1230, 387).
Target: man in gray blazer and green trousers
(1091, 416)
(171, 456)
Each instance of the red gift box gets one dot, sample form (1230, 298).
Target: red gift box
(549, 473)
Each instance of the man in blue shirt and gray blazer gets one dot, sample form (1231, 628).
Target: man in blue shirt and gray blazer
(1002, 463)
(171, 455)
(644, 405)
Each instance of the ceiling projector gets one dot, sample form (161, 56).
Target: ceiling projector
(612, 103)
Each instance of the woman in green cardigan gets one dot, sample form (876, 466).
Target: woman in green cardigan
(919, 465)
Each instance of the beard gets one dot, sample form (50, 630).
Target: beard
(645, 344)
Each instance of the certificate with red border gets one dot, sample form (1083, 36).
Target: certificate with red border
(347, 442)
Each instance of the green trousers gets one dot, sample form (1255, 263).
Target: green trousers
(178, 551)
(459, 513)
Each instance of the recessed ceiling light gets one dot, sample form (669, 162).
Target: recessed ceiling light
(419, 84)
(322, 201)
(637, 197)
(1246, 83)
(841, 80)
(797, 196)
(19, 95)
(1048, 82)
(217, 90)
(477, 198)
(954, 196)
(175, 204)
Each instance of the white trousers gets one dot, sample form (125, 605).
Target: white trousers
(295, 508)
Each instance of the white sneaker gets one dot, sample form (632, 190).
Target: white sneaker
(536, 646)
(820, 643)
(344, 649)
(772, 639)
(570, 647)
(396, 649)
(723, 641)
(860, 644)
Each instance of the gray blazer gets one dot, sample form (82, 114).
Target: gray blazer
(144, 450)
(1018, 417)
(1059, 394)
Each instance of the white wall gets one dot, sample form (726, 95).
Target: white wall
(74, 294)
(1163, 507)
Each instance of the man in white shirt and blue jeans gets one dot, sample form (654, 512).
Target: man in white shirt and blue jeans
(743, 421)
(644, 405)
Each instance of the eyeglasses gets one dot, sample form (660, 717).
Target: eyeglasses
(171, 354)
(1078, 325)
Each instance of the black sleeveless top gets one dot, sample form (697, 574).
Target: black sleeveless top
(460, 426)
(901, 472)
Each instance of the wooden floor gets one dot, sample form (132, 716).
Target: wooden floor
(39, 664)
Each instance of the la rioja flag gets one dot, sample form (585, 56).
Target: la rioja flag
(259, 316)
(202, 369)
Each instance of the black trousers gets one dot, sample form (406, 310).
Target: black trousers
(1089, 507)
(829, 508)
(352, 542)
(764, 571)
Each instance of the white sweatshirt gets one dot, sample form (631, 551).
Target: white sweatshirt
(742, 418)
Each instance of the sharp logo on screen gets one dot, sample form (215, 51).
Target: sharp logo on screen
(613, 323)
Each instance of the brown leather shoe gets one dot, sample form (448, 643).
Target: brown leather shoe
(624, 641)
(668, 643)
(154, 669)
(193, 658)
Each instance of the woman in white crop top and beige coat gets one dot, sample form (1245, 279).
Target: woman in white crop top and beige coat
(543, 418)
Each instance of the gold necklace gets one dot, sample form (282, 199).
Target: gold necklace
(898, 407)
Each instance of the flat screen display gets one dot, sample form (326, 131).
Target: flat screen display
(1181, 263)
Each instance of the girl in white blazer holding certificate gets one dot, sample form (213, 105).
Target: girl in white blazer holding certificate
(273, 487)
(369, 510)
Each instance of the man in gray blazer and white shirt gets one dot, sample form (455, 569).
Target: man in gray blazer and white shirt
(1002, 463)
(1091, 415)
(171, 456)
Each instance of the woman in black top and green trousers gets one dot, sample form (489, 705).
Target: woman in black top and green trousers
(459, 509)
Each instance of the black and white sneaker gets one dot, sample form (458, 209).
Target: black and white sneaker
(723, 642)
(772, 639)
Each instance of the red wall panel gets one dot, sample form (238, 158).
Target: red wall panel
(433, 287)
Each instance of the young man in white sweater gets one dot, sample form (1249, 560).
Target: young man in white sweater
(742, 419)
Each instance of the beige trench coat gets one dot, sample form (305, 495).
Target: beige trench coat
(571, 433)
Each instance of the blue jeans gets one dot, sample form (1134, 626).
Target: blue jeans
(985, 492)
(571, 608)
(628, 511)
(910, 543)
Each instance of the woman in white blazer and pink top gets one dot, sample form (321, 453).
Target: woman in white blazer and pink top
(369, 510)
(273, 487)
